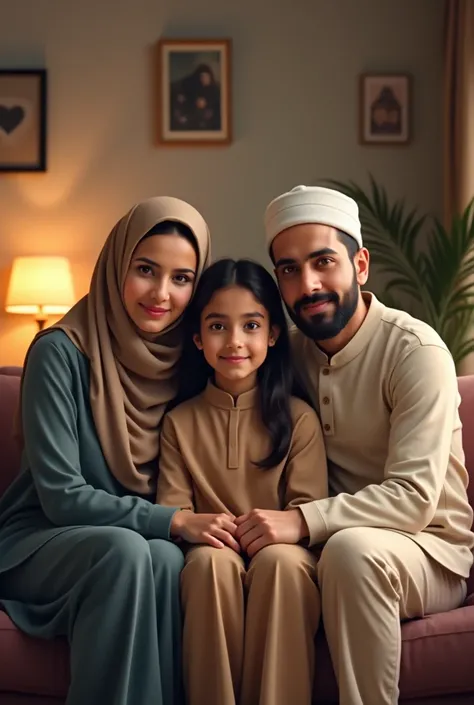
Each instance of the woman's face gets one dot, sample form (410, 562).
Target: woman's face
(160, 281)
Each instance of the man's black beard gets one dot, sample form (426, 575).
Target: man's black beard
(320, 326)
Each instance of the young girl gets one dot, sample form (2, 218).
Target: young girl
(243, 445)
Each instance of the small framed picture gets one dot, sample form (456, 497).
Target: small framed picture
(23, 120)
(385, 109)
(194, 106)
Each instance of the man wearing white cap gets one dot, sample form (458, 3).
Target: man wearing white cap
(396, 529)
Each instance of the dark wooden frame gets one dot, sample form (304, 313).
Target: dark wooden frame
(381, 140)
(40, 164)
(223, 45)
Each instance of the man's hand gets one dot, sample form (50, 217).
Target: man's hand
(214, 529)
(262, 527)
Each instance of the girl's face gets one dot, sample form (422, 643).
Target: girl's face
(159, 282)
(235, 335)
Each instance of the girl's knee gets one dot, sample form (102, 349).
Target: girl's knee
(282, 559)
(207, 562)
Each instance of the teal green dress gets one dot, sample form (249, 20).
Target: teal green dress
(80, 556)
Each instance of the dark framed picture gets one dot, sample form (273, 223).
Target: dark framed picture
(23, 120)
(385, 109)
(194, 106)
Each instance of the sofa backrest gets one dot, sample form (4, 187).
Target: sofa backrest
(466, 411)
(10, 451)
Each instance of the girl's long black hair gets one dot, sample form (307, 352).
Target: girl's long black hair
(274, 376)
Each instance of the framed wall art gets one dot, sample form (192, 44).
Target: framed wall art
(385, 109)
(22, 120)
(195, 92)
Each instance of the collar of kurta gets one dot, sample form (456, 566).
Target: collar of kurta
(360, 340)
(224, 400)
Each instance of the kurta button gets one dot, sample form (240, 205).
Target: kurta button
(326, 400)
(325, 371)
(327, 427)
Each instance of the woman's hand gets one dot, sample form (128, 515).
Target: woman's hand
(214, 529)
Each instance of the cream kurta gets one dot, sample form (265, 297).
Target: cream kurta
(388, 404)
(208, 448)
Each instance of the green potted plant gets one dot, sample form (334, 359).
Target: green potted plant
(428, 270)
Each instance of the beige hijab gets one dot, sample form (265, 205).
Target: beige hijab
(132, 376)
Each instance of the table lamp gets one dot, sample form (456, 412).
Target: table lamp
(40, 286)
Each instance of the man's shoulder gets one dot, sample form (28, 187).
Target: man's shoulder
(400, 326)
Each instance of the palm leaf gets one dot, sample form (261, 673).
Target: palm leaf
(437, 278)
(391, 234)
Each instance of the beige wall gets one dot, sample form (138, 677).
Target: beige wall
(295, 115)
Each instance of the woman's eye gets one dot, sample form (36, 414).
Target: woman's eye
(251, 325)
(145, 269)
(216, 326)
(181, 279)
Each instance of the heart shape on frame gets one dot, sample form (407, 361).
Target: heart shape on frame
(16, 120)
(11, 118)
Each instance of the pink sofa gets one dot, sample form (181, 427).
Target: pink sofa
(437, 655)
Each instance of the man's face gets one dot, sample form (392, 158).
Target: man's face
(319, 281)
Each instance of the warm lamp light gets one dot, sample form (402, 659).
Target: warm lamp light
(40, 286)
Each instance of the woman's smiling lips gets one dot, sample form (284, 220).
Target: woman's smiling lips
(155, 311)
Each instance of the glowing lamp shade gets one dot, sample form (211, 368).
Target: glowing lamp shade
(40, 286)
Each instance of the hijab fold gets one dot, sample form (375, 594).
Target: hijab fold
(132, 375)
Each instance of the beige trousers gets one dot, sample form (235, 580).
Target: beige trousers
(249, 630)
(370, 579)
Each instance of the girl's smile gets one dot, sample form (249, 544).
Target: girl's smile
(234, 359)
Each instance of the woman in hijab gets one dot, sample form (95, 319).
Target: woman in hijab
(84, 551)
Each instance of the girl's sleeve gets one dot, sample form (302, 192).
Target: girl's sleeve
(50, 417)
(306, 469)
(175, 486)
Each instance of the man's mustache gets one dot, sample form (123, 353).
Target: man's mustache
(315, 299)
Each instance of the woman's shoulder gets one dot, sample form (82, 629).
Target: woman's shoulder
(56, 338)
(54, 349)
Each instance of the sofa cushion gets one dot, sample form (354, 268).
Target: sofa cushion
(436, 658)
(32, 666)
(437, 654)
